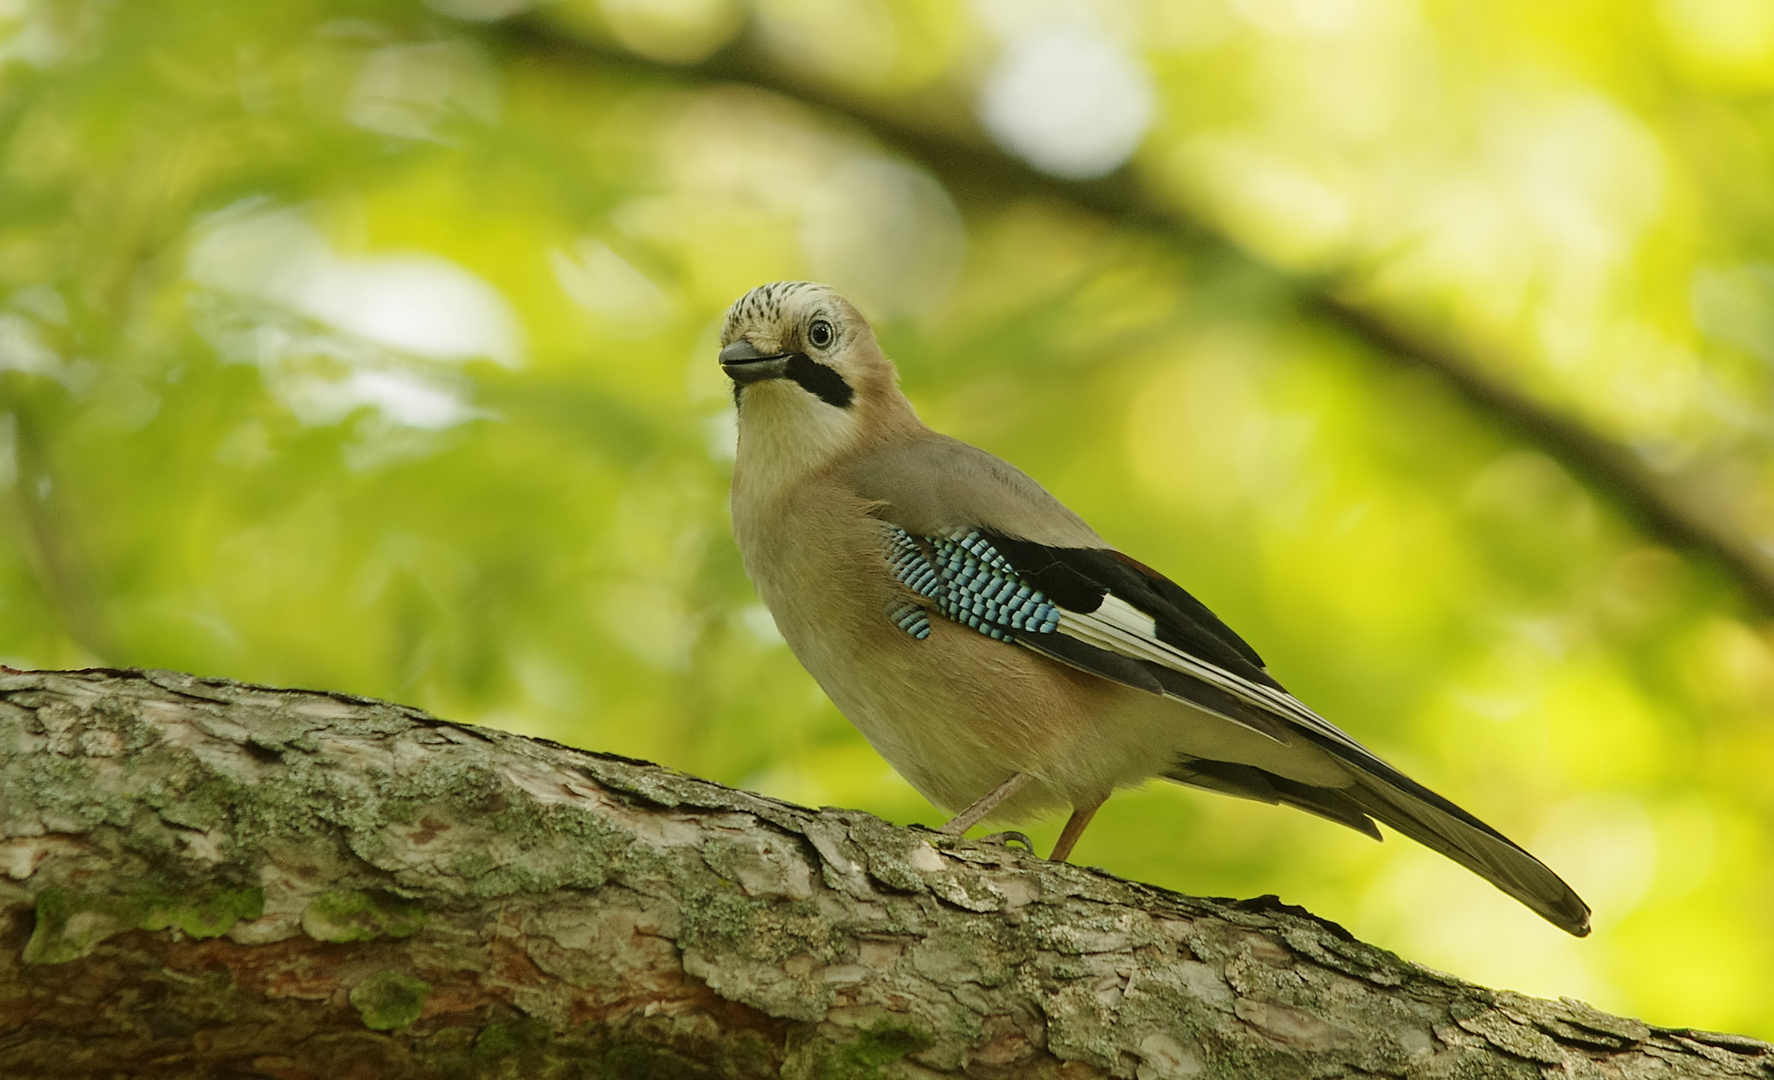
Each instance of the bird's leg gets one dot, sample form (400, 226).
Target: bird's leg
(1068, 837)
(985, 804)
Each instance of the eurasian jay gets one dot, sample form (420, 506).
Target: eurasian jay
(990, 645)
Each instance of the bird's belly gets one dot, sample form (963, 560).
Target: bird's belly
(956, 713)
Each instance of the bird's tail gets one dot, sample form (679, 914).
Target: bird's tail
(1384, 793)
(1437, 824)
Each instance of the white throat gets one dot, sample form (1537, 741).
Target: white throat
(785, 435)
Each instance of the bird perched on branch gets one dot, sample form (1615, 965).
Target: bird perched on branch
(998, 652)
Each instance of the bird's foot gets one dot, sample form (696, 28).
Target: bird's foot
(1005, 839)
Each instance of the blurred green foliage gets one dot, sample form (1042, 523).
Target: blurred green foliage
(368, 345)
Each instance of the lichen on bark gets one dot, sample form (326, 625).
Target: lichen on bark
(389, 1000)
(210, 879)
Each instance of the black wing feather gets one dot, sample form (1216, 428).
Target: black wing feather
(1156, 679)
(1079, 578)
(1122, 669)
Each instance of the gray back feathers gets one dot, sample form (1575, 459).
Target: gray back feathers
(933, 484)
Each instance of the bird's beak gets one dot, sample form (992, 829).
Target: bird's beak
(745, 364)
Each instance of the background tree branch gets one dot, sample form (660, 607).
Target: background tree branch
(205, 878)
(939, 133)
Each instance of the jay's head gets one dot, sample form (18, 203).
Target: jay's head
(809, 380)
(800, 352)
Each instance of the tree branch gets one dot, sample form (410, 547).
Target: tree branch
(206, 879)
(942, 136)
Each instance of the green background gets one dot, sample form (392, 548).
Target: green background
(370, 346)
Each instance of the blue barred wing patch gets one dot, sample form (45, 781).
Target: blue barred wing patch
(967, 580)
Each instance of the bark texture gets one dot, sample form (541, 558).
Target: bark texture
(208, 879)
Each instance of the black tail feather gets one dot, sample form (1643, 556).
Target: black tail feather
(1382, 792)
(1477, 847)
(1250, 782)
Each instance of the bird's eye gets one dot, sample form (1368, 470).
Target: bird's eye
(819, 335)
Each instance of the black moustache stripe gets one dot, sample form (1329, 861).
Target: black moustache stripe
(820, 381)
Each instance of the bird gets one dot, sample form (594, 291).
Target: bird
(1001, 655)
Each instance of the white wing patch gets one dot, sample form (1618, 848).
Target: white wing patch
(1125, 617)
(1119, 627)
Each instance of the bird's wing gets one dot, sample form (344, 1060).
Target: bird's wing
(976, 537)
(1096, 609)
